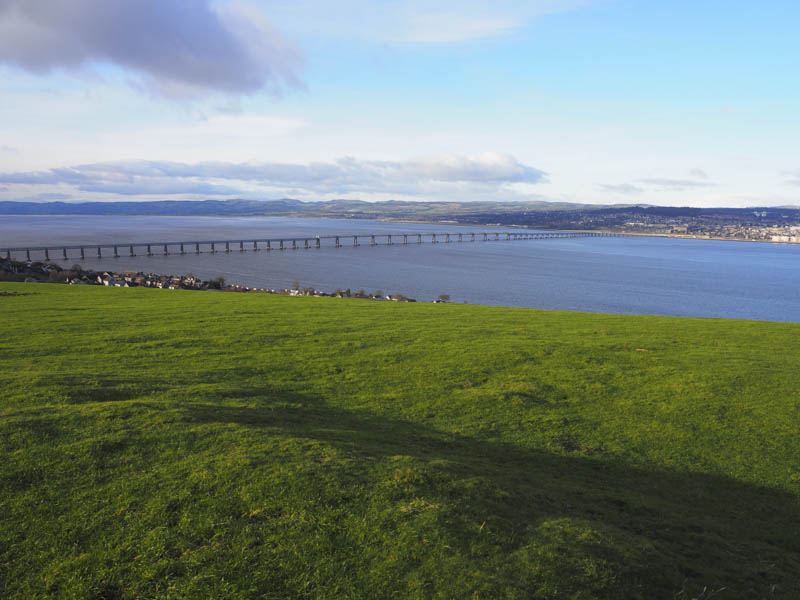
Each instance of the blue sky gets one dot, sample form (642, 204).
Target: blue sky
(592, 101)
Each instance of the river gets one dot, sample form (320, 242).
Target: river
(630, 275)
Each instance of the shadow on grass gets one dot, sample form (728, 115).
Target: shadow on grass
(667, 530)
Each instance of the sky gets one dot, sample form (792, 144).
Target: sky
(680, 103)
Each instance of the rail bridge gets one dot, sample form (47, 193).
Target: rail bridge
(117, 249)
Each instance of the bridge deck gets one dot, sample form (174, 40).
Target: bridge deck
(246, 243)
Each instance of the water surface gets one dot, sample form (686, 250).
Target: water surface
(661, 276)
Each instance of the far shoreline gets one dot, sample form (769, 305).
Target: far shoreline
(425, 222)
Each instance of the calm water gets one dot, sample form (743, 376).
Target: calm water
(615, 275)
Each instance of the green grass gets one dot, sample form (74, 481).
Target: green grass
(158, 444)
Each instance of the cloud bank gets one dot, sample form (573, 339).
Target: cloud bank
(449, 174)
(181, 48)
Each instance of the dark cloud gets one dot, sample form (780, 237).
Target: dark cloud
(622, 188)
(485, 172)
(181, 47)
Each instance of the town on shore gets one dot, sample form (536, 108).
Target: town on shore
(47, 272)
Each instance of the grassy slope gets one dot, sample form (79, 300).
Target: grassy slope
(193, 444)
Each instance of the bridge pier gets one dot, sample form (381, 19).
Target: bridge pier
(255, 246)
(485, 237)
(389, 240)
(405, 239)
(99, 253)
(197, 248)
(182, 250)
(281, 246)
(166, 250)
(241, 246)
(213, 249)
(419, 238)
(446, 238)
(269, 246)
(294, 244)
(116, 252)
(306, 243)
(460, 237)
(28, 254)
(65, 253)
(149, 250)
(338, 244)
(131, 249)
(46, 254)
(433, 238)
(372, 241)
(355, 241)
(227, 247)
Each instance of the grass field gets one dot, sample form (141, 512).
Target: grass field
(168, 444)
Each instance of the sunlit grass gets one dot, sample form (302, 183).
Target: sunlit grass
(198, 444)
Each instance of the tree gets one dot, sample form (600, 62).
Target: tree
(444, 297)
(296, 285)
(217, 283)
(379, 293)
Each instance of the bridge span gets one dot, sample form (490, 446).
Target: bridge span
(117, 249)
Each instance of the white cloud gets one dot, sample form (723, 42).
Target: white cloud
(444, 27)
(452, 176)
(412, 21)
(622, 188)
(793, 177)
(665, 183)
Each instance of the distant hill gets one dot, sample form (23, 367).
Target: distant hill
(164, 207)
(524, 214)
(357, 208)
(284, 206)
